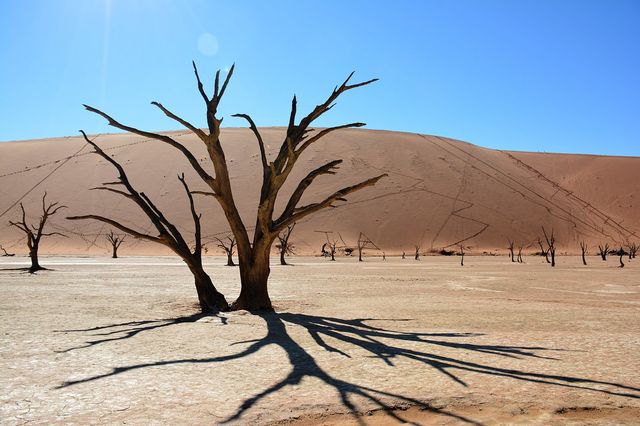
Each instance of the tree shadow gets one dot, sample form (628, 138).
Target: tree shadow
(358, 334)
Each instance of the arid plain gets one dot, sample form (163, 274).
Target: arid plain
(96, 340)
(111, 341)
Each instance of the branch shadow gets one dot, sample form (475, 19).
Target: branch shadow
(380, 343)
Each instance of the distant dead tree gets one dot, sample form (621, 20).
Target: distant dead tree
(168, 235)
(633, 249)
(461, 247)
(228, 246)
(254, 251)
(543, 251)
(603, 250)
(551, 245)
(403, 254)
(6, 254)
(35, 233)
(384, 256)
(584, 249)
(510, 247)
(364, 242)
(520, 247)
(333, 248)
(284, 246)
(417, 253)
(621, 253)
(115, 240)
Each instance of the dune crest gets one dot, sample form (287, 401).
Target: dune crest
(439, 193)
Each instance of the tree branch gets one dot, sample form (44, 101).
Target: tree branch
(254, 129)
(162, 138)
(202, 135)
(339, 195)
(120, 226)
(326, 169)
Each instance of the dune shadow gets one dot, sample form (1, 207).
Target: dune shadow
(359, 335)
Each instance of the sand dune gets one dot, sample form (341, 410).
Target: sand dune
(439, 191)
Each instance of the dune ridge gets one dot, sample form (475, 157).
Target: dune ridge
(439, 193)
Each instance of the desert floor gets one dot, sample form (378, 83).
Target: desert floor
(116, 341)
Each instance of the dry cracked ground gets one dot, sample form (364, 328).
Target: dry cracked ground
(424, 342)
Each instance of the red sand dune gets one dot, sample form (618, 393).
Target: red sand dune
(439, 191)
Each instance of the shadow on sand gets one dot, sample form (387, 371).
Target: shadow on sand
(358, 334)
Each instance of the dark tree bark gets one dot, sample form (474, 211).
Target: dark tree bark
(520, 254)
(584, 249)
(633, 249)
(284, 246)
(35, 233)
(461, 255)
(254, 252)
(168, 235)
(511, 254)
(115, 240)
(403, 254)
(417, 253)
(364, 242)
(229, 248)
(621, 253)
(603, 251)
(551, 245)
(544, 252)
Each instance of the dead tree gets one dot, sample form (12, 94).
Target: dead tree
(543, 251)
(284, 246)
(115, 240)
(384, 256)
(35, 233)
(621, 253)
(633, 249)
(603, 251)
(168, 235)
(6, 254)
(551, 245)
(461, 254)
(333, 247)
(254, 251)
(584, 248)
(364, 242)
(510, 247)
(229, 248)
(520, 254)
(417, 253)
(403, 254)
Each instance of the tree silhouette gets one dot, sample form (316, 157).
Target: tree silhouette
(168, 235)
(35, 233)
(228, 246)
(115, 240)
(284, 246)
(254, 253)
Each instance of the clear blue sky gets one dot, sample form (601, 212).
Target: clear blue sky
(559, 76)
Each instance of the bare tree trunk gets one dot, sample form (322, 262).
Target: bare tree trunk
(283, 262)
(462, 259)
(403, 254)
(513, 258)
(33, 255)
(254, 274)
(621, 255)
(359, 253)
(209, 298)
(230, 259)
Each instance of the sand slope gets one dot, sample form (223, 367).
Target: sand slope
(439, 191)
